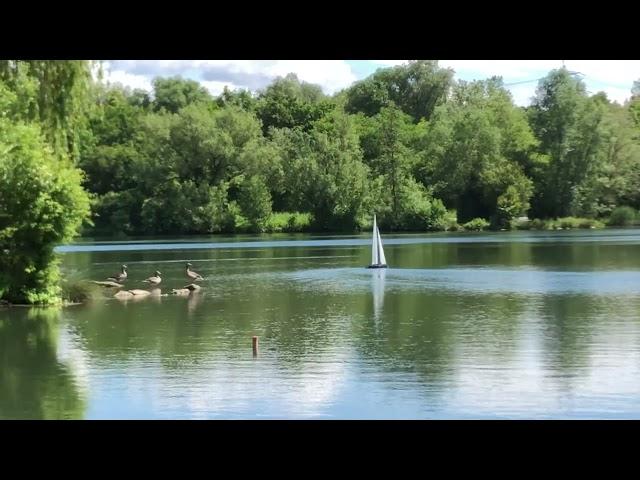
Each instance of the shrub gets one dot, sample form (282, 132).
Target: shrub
(477, 224)
(42, 204)
(288, 222)
(622, 216)
(565, 223)
(521, 224)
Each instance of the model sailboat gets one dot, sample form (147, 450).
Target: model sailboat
(377, 253)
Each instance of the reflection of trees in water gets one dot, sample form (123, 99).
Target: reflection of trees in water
(572, 325)
(293, 326)
(33, 384)
(430, 332)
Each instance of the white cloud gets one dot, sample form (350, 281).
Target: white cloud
(390, 63)
(216, 88)
(615, 77)
(331, 75)
(128, 79)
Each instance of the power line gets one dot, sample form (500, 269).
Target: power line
(538, 79)
(524, 81)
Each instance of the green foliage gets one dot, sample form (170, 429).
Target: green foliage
(289, 103)
(623, 216)
(475, 151)
(52, 93)
(174, 93)
(324, 172)
(568, 125)
(449, 222)
(416, 88)
(42, 204)
(408, 143)
(477, 224)
(187, 207)
(418, 210)
(254, 201)
(279, 222)
(510, 205)
(239, 98)
(565, 223)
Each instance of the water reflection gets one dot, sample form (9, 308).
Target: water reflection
(193, 301)
(377, 281)
(496, 329)
(34, 384)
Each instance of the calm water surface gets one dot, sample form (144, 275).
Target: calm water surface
(504, 325)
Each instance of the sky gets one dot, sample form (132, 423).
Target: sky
(615, 77)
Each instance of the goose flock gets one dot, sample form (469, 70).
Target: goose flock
(117, 281)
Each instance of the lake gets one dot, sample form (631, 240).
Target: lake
(505, 325)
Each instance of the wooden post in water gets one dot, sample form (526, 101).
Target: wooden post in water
(255, 346)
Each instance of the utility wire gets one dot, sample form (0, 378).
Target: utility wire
(537, 79)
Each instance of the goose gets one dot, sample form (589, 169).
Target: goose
(155, 280)
(193, 275)
(120, 277)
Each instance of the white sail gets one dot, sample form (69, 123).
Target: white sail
(374, 244)
(377, 252)
(381, 258)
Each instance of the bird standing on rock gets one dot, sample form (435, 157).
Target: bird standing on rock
(120, 277)
(193, 275)
(155, 280)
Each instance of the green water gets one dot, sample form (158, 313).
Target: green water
(505, 325)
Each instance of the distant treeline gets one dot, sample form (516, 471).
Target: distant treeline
(423, 151)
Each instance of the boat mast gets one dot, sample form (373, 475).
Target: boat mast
(374, 251)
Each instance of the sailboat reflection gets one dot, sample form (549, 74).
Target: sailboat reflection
(377, 284)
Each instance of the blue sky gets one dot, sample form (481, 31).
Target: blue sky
(615, 77)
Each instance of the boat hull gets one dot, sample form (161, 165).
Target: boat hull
(377, 266)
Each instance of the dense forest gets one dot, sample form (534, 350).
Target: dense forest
(410, 143)
(423, 151)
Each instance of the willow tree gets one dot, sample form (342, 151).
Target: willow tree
(53, 93)
(42, 202)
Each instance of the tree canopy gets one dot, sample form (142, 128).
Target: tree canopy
(421, 150)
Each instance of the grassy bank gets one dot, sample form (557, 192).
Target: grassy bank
(303, 222)
(566, 223)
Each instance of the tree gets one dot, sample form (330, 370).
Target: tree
(567, 124)
(616, 172)
(174, 93)
(634, 103)
(208, 145)
(391, 157)
(416, 88)
(42, 204)
(324, 172)
(254, 201)
(53, 93)
(289, 103)
(475, 148)
(239, 98)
